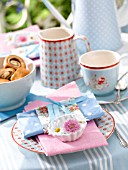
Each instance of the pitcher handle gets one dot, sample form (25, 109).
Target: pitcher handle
(84, 38)
(123, 62)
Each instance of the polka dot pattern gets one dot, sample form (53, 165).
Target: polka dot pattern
(30, 123)
(89, 113)
(96, 20)
(59, 64)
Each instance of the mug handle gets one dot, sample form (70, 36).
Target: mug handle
(125, 72)
(122, 56)
(84, 38)
(124, 59)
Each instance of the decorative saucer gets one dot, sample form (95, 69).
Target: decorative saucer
(104, 99)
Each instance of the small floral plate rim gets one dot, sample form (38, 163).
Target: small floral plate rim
(25, 143)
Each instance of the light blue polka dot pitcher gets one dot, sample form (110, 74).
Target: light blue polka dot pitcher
(98, 21)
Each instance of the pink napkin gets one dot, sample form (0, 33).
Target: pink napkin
(91, 137)
(63, 93)
(4, 48)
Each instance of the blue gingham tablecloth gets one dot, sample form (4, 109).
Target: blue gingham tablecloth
(112, 157)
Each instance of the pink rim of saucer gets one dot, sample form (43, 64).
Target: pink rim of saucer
(113, 126)
(12, 134)
(97, 68)
(107, 136)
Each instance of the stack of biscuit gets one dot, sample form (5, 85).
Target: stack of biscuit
(14, 68)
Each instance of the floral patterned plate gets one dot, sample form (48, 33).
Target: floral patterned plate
(30, 144)
(106, 124)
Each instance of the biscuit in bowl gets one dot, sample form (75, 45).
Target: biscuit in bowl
(14, 61)
(6, 73)
(19, 73)
(13, 93)
(3, 80)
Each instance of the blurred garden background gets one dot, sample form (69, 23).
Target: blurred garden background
(13, 11)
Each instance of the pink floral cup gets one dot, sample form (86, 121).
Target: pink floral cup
(58, 56)
(100, 70)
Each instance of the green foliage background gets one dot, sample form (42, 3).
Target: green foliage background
(38, 13)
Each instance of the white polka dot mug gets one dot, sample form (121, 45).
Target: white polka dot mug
(100, 70)
(59, 62)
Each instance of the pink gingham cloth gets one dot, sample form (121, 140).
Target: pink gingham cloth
(91, 137)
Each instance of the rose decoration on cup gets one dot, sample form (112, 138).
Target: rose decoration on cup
(100, 70)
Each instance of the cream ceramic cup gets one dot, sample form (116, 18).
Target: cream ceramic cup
(100, 70)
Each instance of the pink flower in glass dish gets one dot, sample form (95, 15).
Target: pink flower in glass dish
(71, 125)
